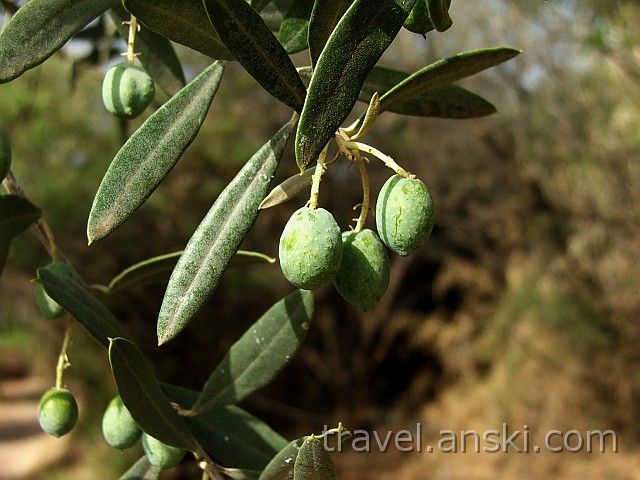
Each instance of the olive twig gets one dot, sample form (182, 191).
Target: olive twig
(316, 178)
(366, 193)
(386, 159)
(133, 28)
(63, 359)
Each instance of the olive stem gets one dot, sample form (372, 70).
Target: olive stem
(366, 192)
(386, 159)
(63, 359)
(133, 28)
(316, 178)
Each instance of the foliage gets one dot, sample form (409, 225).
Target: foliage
(346, 41)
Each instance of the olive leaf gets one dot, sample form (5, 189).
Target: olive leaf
(218, 237)
(81, 305)
(156, 53)
(232, 436)
(324, 18)
(264, 349)
(251, 42)
(157, 269)
(281, 465)
(16, 215)
(444, 72)
(288, 189)
(184, 22)
(142, 395)
(360, 38)
(40, 28)
(439, 14)
(273, 13)
(142, 470)
(151, 152)
(294, 29)
(418, 20)
(313, 461)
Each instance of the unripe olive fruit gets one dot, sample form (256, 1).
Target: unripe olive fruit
(364, 272)
(5, 155)
(48, 306)
(57, 411)
(127, 90)
(310, 248)
(404, 214)
(160, 454)
(119, 428)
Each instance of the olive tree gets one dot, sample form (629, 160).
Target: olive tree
(345, 40)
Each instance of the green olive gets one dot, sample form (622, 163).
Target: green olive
(404, 214)
(127, 90)
(160, 454)
(310, 248)
(119, 428)
(5, 155)
(363, 277)
(57, 411)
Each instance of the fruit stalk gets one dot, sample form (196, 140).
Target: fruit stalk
(63, 359)
(366, 193)
(316, 178)
(133, 28)
(386, 159)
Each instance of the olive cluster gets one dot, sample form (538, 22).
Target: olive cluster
(121, 431)
(313, 252)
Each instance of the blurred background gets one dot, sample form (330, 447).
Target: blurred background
(523, 307)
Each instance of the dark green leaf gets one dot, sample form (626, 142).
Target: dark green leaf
(142, 395)
(142, 470)
(294, 29)
(157, 269)
(281, 465)
(325, 16)
(184, 22)
(156, 53)
(450, 101)
(40, 28)
(251, 42)
(81, 305)
(313, 461)
(288, 189)
(360, 38)
(444, 72)
(218, 237)
(439, 14)
(16, 215)
(151, 152)
(418, 20)
(264, 349)
(229, 434)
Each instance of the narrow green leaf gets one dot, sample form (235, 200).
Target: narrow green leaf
(358, 41)
(16, 215)
(324, 17)
(449, 101)
(264, 349)
(151, 152)
(251, 42)
(81, 305)
(281, 465)
(439, 14)
(40, 28)
(184, 22)
(156, 53)
(158, 269)
(142, 395)
(294, 29)
(229, 434)
(288, 189)
(218, 237)
(142, 470)
(313, 461)
(444, 72)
